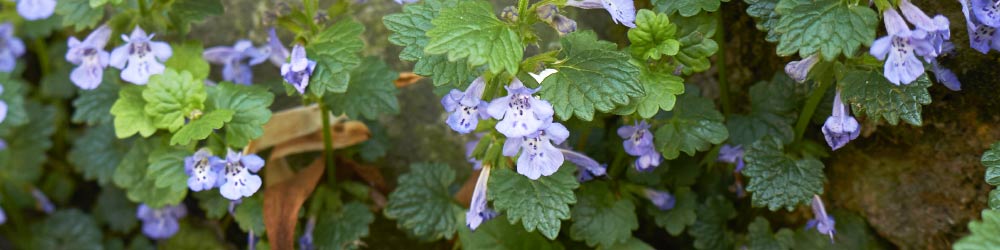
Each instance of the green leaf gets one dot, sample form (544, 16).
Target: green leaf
(370, 94)
(471, 30)
(631, 244)
(112, 208)
(777, 179)
(872, 94)
(991, 159)
(446, 73)
(661, 93)
(130, 114)
(497, 234)
(94, 106)
(42, 28)
(694, 125)
(67, 229)
(166, 167)
(539, 204)
(682, 215)
(171, 97)
(710, 230)
(201, 128)
(193, 238)
(764, 15)
(828, 27)
(13, 94)
(761, 237)
(132, 168)
(335, 50)
(422, 203)
(653, 36)
(250, 104)
(187, 57)
(687, 7)
(249, 215)
(409, 30)
(78, 13)
(184, 12)
(773, 113)
(21, 162)
(592, 75)
(695, 34)
(602, 217)
(97, 152)
(342, 229)
(214, 205)
(994, 199)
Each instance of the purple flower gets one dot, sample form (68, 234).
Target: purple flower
(479, 212)
(823, 222)
(43, 201)
(588, 168)
(90, 56)
(236, 60)
(278, 53)
(3, 107)
(662, 199)
(547, 12)
(238, 180)
(160, 223)
(466, 108)
(203, 169)
(981, 37)
(622, 11)
(3, 216)
(10, 47)
(936, 28)
(563, 25)
(36, 9)
(306, 241)
(840, 128)
(538, 156)
(732, 155)
(944, 76)
(140, 57)
(405, 1)
(639, 142)
(799, 70)
(519, 112)
(987, 11)
(902, 46)
(297, 71)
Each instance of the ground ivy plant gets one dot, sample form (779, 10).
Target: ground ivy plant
(123, 127)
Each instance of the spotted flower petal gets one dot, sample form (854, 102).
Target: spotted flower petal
(520, 113)
(239, 180)
(203, 170)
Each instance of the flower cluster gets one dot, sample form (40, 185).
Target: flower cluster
(236, 60)
(527, 122)
(160, 223)
(639, 143)
(900, 48)
(234, 176)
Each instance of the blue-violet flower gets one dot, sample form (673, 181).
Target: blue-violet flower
(519, 112)
(238, 173)
(902, 46)
(236, 60)
(43, 201)
(36, 9)
(981, 37)
(203, 169)
(297, 71)
(479, 212)
(160, 223)
(622, 11)
(90, 56)
(799, 70)
(538, 156)
(639, 143)
(140, 57)
(732, 155)
(821, 220)
(588, 167)
(10, 47)
(840, 128)
(662, 199)
(466, 108)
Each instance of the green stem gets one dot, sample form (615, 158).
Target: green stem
(720, 38)
(42, 50)
(810, 108)
(142, 7)
(327, 143)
